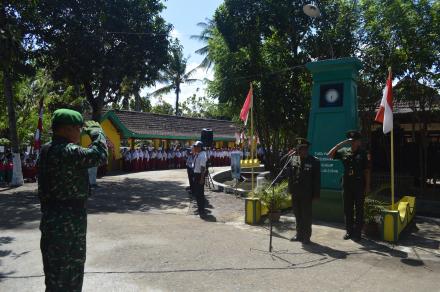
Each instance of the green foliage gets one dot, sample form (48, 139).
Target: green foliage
(163, 107)
(373, 210)
(99, 45)
(175, 74)
(273, 198)
(204, 107)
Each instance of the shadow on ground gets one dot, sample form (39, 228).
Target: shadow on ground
(4, 240)
(129, 195)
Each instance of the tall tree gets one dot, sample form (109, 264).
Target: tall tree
(175, 74)
(98, 44)
(14, 39)
(205, 36)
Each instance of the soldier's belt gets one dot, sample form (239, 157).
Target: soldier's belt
(75, 204)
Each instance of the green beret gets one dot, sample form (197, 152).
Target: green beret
(67, 117)
(302, 142)
(354, 135)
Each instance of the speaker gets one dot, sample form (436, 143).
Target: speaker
(207, 137)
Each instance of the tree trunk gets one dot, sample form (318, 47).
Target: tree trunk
(97, 103)
(177, 100)
(137, 101)
(17, 174)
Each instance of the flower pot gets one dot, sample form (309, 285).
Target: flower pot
(371, 230)
(274, 216)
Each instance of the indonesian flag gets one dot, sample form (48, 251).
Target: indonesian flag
(37, 139)
(244, 114)
(385, 113)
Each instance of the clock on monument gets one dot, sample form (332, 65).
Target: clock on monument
(331, 95)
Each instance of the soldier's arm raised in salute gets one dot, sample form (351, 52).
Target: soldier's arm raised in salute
(96, 153)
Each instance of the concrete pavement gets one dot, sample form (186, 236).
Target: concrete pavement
(143, 236)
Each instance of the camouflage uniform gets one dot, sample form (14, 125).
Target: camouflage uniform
(63, 189)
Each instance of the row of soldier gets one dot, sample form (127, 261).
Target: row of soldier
(149, 158)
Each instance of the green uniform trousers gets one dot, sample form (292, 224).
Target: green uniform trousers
(63, 247)
(302, 209)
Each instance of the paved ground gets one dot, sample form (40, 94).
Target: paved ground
(143, 236)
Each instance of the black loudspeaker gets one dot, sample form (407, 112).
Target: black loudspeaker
(207, 137)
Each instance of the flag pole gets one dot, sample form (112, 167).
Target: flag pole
(392, 169)
(252, 136)
(392, 158)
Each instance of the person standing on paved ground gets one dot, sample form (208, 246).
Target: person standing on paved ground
(63, 189)
(304, 177)
(190, 170)
(199, 167)
(356, 181)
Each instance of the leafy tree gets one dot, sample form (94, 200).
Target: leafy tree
(204, 107)
(97, 45)
(162, 107)
(14, 65)
(175, 74)
(405, 36)
(261, 42)
(205, 36)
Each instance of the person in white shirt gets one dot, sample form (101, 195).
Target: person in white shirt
(146, 159)
(199, 168)
(178, 159)
(153, 160)
(159, 157)
(140, 160)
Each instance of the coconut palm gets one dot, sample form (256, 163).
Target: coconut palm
(175, 74)
(205, 36)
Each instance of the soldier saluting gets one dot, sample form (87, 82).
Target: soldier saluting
(356, 181)
(304, 175)
(63, 189)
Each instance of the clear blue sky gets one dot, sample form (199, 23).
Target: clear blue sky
(184, 16)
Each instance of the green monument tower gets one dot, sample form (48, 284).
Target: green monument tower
(334, 111)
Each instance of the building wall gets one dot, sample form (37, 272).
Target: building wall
(113, 135)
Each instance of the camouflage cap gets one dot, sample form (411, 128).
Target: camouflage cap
(66, 117)
(302, 142)
(353, 135)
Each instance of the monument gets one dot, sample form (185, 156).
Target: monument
(334, 110)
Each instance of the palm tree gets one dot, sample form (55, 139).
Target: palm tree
(175, 74)
(205, 36)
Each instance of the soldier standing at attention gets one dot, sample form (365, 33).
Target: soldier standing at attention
(63, 189)
(304, 175)
(356, 181)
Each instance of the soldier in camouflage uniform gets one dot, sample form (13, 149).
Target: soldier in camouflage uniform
(304, 176)
(63, 189)
(356, 181)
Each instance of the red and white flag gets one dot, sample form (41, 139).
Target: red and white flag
(39, 131)
(244, 114)
(385, 113)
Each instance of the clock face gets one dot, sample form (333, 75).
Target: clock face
(331, 95)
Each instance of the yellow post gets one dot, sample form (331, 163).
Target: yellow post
(392, 169)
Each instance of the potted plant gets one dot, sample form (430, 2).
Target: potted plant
(273, 198)
(372, 215)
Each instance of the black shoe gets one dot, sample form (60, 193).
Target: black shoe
(347, 236)
(357, 237)
(203, 216)
(296, 238)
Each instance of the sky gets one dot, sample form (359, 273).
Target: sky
(184, 16)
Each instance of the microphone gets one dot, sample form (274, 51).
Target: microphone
(289, 154)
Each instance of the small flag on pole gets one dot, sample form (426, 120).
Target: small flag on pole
(385, 113)
(244, 114)
(39, 131)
